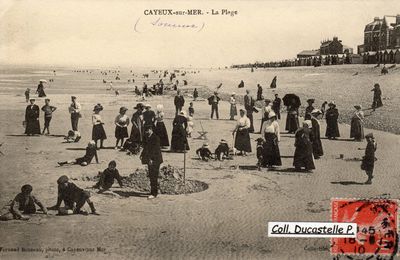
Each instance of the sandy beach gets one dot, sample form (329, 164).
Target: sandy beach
(226, 221)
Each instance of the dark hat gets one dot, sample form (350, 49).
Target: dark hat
(62, 179)
(26, 188)
(147, 127)
(223, 141)
(259, 140)
(138, 106)
(47, 99)
(267, 100)
(32, 99)
(98, 107)
(123, 109)
(73, 97)
(310, 100)
(357, 106)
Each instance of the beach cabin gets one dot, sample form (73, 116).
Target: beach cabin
(372, 57)
(357, 59)
(397, 56)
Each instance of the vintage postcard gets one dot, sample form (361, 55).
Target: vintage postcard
(199, 129)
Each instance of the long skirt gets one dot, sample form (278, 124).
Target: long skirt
(161, 132)
(233, 111)
(98, 132)
(271, 155)
(332, 129)
(121, 132)
(357, 129)
(292, 122)
(317, 148)
(303, 156)
(32, 127)
(179, 140)
(242, 140)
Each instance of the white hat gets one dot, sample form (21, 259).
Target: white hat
(271, 114)
(147, 105)
(308, 122)
(316, 111)
(233, 93)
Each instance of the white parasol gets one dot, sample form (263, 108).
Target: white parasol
(43, 80)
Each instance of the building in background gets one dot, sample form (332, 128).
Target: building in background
(308, 54)
(331, 47)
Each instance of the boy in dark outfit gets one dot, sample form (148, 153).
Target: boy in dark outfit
(368, 161)
(91, 152)
(222, 150)
(107, 177)
(74, 197)
(204, 153)
(23, 203)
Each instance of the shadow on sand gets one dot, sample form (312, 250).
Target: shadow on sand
(348, 183)
(130, 193)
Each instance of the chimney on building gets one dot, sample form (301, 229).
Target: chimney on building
(397, 19)
(376, 19)
(335, 38)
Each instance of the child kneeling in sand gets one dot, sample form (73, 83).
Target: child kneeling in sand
(74, 198)
(204, 153)
(222, 151)
(23, 203)
(107, 177)
(91, 152)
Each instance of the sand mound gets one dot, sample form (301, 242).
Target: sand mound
(170, 181)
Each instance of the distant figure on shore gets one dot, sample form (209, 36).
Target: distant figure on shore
(137, 91)
(332, 127)
(242, 138)
(233, 109)
(384, 70)
(377, 101)
(40, 90)
(241, 84)
(213, 102)
(179, 102)
(276, 106)
(357, 124)
(195, 94)
(32, 126)
(303, 155)
(23, 204)
(368, 161)
(273, 83)
(27, 94)
(259, 92)
(318, 151)
(75, 111)
(249, 106)
(48, 114)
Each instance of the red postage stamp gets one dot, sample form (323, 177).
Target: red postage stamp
(376, 226)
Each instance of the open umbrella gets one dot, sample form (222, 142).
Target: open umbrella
(291, 100)
(43, 80)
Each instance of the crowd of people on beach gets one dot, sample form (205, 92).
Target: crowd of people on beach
(149, 137)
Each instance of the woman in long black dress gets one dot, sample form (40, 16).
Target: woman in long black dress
(242, 139)
(136, 138)
(40, 90)
(357, 124)
(160, 129)
(292, 119)
(316, 134)
(303, 155)
(179, 141)
(32, 119)
(270, 129)
(332, 127)
(377, 102)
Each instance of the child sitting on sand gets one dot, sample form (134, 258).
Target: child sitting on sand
(74, 198)
(107, 177)
(204, 153)
(91, 152)
(222, 151)
(73, 136)
(23, 203)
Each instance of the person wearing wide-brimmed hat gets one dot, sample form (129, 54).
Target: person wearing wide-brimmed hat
(160, 130)
(242, 138)
(135, 140)
(121, 126)
(332, 126)
(22, 205)
(75, 111)
(32, 126)
(357, 124)
(271, 133)
(316, 133)
(303, 155)
(267, 108)
(222, 150)
(368, 161)
(233, 109)
(309, 109)
(40, 90)
(204, 152)
(98, 132)
(179, 141)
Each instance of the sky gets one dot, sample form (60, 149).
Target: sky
(118, 33)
